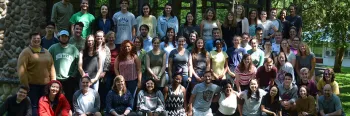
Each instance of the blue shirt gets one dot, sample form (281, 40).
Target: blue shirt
(46, 43)
(105, 27)
(329, 105)
(235, 56)
(117, 103)
(147, 44)
(164, 24)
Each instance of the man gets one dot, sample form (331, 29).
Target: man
(266, 24)
(124, 23)
(235, 54)
(202, 96)
(329, 104)
(61, 13)
(305, 79)
(17, 105)
(276, 46)
(259, 36)
(49, 38)
(275, 23)
(77, 40)
(83, 16)
(266, 74)
(66, 58)
(245, 41)
(147, 40)
(295, 20)
(209, 46)
(86, 101)
(289, 94)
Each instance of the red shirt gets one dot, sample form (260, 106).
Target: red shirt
(114, 54)
(265, 77)
(45, 108)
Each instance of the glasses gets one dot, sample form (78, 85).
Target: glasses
(22, 92)
(50, 27)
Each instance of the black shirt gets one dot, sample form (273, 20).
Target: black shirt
(16, 109)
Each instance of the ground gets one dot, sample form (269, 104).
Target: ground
(343, 80)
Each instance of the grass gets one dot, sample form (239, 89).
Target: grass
(343, 80)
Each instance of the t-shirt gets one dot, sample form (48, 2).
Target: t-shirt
(180, 62)
(265, 77)
(267, 25)
(333, 84)
(78, 43)
(87, 19)
(204, 95)
(251, 105)
(147, 44)
(274, 23)
(274, 107)
(291, 56)
(47, 43)
(124, 23)
(218, 62)
(286, 68)
(245, 77)
(276, 48)
(61, 14)
(329, 105)
(235, 56)
(295, 21)
(257, 57)
(290, 94)
(12, 108)
(164, 23)
(305, 62)
(167, 50)
(88, 102)
(227, 105)
(150, 21)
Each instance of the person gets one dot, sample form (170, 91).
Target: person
(54, 103)
(180, 62)
(189, 26)
(147, 40)
(328, 78)
(150, 100)
(167, 20)
(218, 62)
(308, 82)
(285, 48)
(266, 24)
(119, 100)
(141, 53)
(329, 104)
(175, 97)
(207, 25)
(35, 68)
(289, 94)
(86, 101)
(242, 21)
(49, 39)
(253, 22)
(202, 96)
(200, 62)
(124, 22)
(18, 104)
(227, 100)
(169, 43)
(77, 40)
(85, 17)
(90, 62)
(256, 54)
(66, 58)
(267, 46)
(191, 41)
(277, 44)
(295, 45)
(110, 74)
(156, 63)
(244, 72)
(210, 46)
(147, 19)
(259, 35)
(270, 105)
(245, 41)
(295, 20)
(285, 23)
(235, 55)
(292, 33)
(305, 105)
(283, 67)
(61, 13)
(228, 29)
(305, 58)
(252, 99)
(128, 65)
(104, 22)
(266, 74)
(275, 23)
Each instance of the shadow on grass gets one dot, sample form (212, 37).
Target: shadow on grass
(343, 80)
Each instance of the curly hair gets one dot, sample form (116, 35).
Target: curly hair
(123, 53)
(330, 72)
(86, 48)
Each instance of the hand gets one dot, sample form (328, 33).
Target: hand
(189, 113)
(304, 113)
(188, 79)
(93, 81)
(274, 114)
(103, 74)
(156, 78)
(221, 76)
(199, 79)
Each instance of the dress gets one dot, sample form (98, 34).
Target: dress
(174, 105)
(156, 65)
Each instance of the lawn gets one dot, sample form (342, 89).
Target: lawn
(343, 80)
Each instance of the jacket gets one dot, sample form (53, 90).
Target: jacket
(62, 107)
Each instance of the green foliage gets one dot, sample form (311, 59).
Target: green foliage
(344, 86)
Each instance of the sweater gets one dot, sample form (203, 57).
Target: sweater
(35, 68)
(62, 106)
(12, 108)
(306, 105)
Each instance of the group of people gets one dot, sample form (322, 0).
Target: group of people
(143, 66)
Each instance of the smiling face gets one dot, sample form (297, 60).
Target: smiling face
(273, 91)
(218, 45)
(90, 41)
(200, 44)
(287, 80)
(303, 92)
(282, 58)
(292, 33)
(263, 15)
(245, 38)
(236, 40)
(327, 75)
(50, 29)
(181, 42)
(54, 88)
(302, 48)
(35, 41)
(273, 13)
(284, 44)
(193, 37)
(100, 37)
(168, 9)
(111, 38)
(278, 37)
(150, 85)
(247, 61)
(189, 18)
(137, 43)
(128, 47)
(267, 45)
(84, 5)
(146, 10)
(292, 10)
(230, 16)
(104, 10)
(85, 83)
(283, 14)
(254, 44)
(143, 31)
(252, 15)
(64, 39)
(178, 79)
(155, 44)
(124, 5)
(207, 77)
(228, 88)
(268, 66)
(210, 15)
(304, 75)
(77, 30)
(239, 10)
(120, 84)
(170, 34)
(22, 94)
(216, 34)
(253, 85)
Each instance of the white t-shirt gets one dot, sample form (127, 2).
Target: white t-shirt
(274, 23)
(227, 105)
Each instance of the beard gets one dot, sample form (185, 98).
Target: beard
(63, 43)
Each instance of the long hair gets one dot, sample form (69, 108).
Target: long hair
(141, 41)
(186, 22)
(241, 65)
(171, 13)
(149, 6)
(114, 86)
(276, 98)
(288, 47)
(280, 15)
(307, 49)
(196, 51)
(123, 54)
(250, 92)
(144, 88)
(256, 17)
(166, 40)
(278, 64)
(231, 24)
(206, 14)
(188, 38)
(48, 86)
(107, 15)
(86, 48)
(103, 40)
(330, 73)
(243, 12)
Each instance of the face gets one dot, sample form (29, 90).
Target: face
(22, 94)
(90, 42)
(273, 13)
(278, 37)
(281, 58)
(230, 16)
(207, 77)
(218, 45)
(155, 44)
(168, 9)
(210, 14)
(189, 18)
(273, 91)
(137, 43)
(64, 39)
(284, 14)
(50, 29)
(259, 34)
(284, 44)
(35, 41)
(228, 89)
(149, 85)
(327, 75)
(247, 61)
(296, 42)
(124, 5)
(268, 66)
(181, 42)
(84, 5)
(287, 80)
(77, 30)
(144, 31)
(178, 79)
(146, 10)
(54, 88)
(85, 83)
(253, 85)
(200, 44)
(292, 33)
(291, 10)
(302, 48)
(128, 47)
(171, 34)
(111, 38)
(236, 41)
(263, 15)
(100, 37)
(216, 34)
(253, 15)
(245, 38)
(327, 91)
(104, 10)
(254, 43)
(239, 10)
(303, 92)
(305, 75)
(267, 46)
(193, 37)
(120, 84)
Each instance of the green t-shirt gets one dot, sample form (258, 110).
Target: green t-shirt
(65, 60)
(87, 19)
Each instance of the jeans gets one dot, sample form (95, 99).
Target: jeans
(70, 85)
(131, 86)
(36, 91)
(109, 80)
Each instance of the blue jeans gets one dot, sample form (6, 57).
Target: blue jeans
(36, 91)
(184, 81)
(131, 86)
(109, 80)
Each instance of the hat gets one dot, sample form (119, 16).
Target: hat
(63, 32)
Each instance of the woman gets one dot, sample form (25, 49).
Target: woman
(268, 53)
(283, 67)
(148, 19)
(328, 78)
(218, 62)
(289, 54)
(207, 25)
(256, 54)
(128, 65)
(200, 62)
(119, 100)
(175, 98)
(54, 103)
(110, 74)
(141, 53)
(266, 24)
(295, 45)
(235, 55)
(227, 100)
(285, 23)
(228, 29)
(292, 35)
(180, 62)
(242, 21)
(253, 22)
(271, 105)
(90, 62)
(150, 101)
(167, 20)
(155, 62)
(252, 99)
(191, 41)
(189, 26)
(305, 105)
(168, 44)
(104, 22)
(305, 58)
(244, 72)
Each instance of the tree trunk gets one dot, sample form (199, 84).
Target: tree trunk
(339, 56)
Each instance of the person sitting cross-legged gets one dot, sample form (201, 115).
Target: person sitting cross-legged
(86, 101)
(329, 103)
(18, 104)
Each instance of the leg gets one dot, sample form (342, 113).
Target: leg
(97, 114)
(36, 91)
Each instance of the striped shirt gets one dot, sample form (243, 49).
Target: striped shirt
(244, 77)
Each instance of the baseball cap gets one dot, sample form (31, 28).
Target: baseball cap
(63, 32)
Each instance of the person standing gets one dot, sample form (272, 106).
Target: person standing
(18, 104)
(49, 39)
(77, 40)
(85, 17)
(104, 22)
(189, 26)
(124, 23)
(147, 19)
(61, 13)
(295, 20)
(167, 20)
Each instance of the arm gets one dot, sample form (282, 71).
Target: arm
(226, 67)
(293, 61)
(261, 59)
(52, 70)
(208, 62)
(53, 14)
(190, 104)
(29, 107)
(176, 25)
(22, 68)
(313, 65)
(42, 108)
(163, 66)
(296, 67)
(189, 66)
(245, 25)
(75, 103)
(116, 66)
(219, 26)
(159, 28)
(165, 93)
(263, 109)
(97, 102)
(80, 64)
(148, 66)
(99, 71)
(109, 101)
(201, 26)
(72, 28)
(139, 73)
(193, 71)
(107, 63)
(185, 98)
(65, 106)
(170, 68)
(160, 103)
(131, 102)
(336, 88)
(154, 33)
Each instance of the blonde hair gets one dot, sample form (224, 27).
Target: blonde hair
(119, 78)
(109, 34)
(307, 49)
